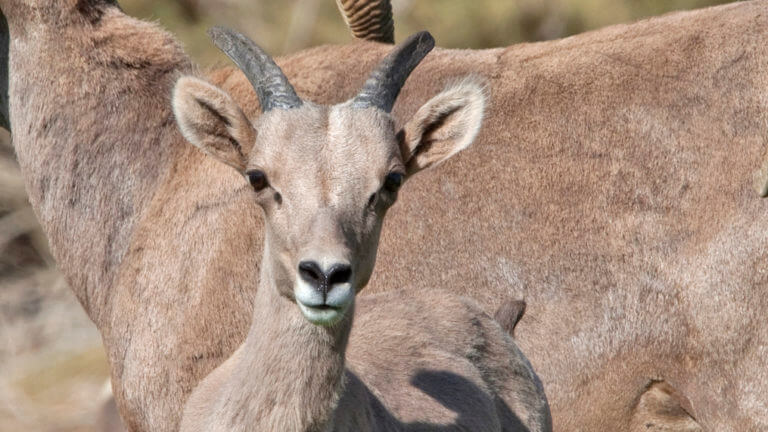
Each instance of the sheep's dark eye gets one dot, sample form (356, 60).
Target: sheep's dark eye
(258, 179)
(393, 181)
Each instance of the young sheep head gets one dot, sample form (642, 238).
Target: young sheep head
(325, 175)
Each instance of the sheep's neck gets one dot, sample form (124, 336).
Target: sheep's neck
(94, 136)
(290, 372)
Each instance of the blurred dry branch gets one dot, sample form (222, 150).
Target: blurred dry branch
(303, 15)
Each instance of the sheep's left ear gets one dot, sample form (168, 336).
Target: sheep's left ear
(212, 121)
(442, 127)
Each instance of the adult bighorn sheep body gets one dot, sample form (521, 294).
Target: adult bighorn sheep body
(325, 177)
(613, 187)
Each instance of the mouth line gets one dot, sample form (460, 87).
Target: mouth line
(323, 307)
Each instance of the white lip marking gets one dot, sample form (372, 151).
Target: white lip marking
(319, 312)
(339, 295)
(307, 295)
(324, 317)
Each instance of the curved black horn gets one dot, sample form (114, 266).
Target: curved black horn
(271, 85)
(388, 78)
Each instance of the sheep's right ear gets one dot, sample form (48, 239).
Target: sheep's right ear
(210, 119)
(445, 125)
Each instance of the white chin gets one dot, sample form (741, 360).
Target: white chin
(322, 316)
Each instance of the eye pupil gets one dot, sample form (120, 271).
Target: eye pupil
(257, 179)
(393, 181)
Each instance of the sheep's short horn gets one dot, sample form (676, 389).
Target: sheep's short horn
(369, 19)
(388, 78)
(271, 85)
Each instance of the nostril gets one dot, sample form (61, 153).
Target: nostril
(339, 274)
(311, 273)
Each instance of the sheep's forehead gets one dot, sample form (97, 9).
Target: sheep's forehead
(338, 147)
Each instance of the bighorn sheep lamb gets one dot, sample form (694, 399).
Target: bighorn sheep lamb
(614, 186)
(324, 177)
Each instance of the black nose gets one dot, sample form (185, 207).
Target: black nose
(323, 281)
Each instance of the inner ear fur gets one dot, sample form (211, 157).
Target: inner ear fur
(445, 125)
(211, 120)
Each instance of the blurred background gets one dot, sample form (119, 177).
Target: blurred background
(289, 25)
(53, 372)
